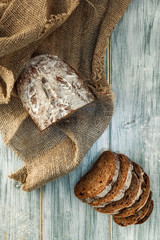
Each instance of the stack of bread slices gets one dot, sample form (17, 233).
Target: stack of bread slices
(118, 186)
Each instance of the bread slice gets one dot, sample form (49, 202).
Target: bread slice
(140, 202)
(118, 186)
(147, 215)
(137, 215)
(124, 202)
(122, 183)
(102, 174)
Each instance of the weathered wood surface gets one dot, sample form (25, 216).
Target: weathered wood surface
(135, 127)
(65, 217)
(19, 211)
(53, 212)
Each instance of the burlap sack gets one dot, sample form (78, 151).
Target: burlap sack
(78, 32)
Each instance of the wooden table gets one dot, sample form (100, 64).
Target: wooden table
(53, 212)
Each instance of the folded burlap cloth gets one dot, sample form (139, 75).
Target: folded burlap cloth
(78, 32)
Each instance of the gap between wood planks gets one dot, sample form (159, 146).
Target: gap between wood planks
(42, 188)
(41, 213)
(109, 80)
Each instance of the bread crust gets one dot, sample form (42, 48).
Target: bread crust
(126, 201)
(100, 175)
(140, 202)
(147, 215)
(137, 215)
(119, 184)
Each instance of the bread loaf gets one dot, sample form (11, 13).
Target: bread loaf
(51, 90)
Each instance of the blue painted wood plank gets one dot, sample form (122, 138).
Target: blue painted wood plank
(135, 76)
(19, 211)
(65, 217)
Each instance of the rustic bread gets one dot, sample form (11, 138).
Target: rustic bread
(99, 179)
(137, 215)
(140, 202)
(126, 196)
(121, 185)
(147, 214)
(51, 90)
(129, 196)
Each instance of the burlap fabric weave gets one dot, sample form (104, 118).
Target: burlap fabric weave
(78, 32)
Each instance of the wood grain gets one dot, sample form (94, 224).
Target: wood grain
(65, 217)
(19, 211)
(135, 76)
